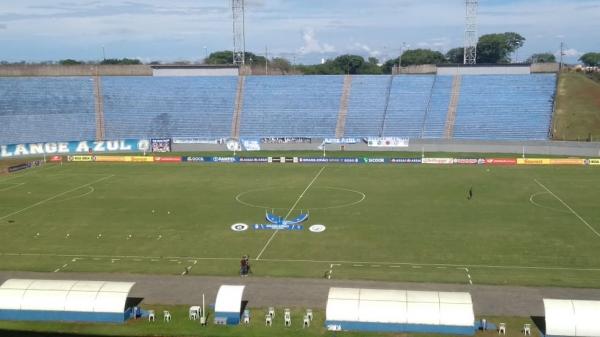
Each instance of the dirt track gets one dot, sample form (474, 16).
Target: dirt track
(312, 293)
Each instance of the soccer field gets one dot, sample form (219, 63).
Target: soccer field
(524, 225)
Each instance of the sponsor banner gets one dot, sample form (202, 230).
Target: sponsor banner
(17, 168)
(318, 160)
(221, 159)
(161, 145)
(127, 145)
(55, 159)
(341, 141)
(533, 161)
(251, 145)
(374, 160)
(594, 162)
(254, 160)
(124, 159)
(167, 159)
(274, 227)
(388, 142)
(438, 161)
(211, 141)
(465, 161)
(285, 140)
(193, 159)
(80, 158)
(501, 161)
(233, 144)
(405, 160)
(567, 161)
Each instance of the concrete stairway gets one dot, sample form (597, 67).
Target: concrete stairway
(340, 128)
(452, 107)
(99, 107)
(237, 111)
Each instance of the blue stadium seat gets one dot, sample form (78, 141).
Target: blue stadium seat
(46, 109)
(437, 113)
(144, 107)
(407, 106)
(366, 106)
(292, 106)
(511, 107)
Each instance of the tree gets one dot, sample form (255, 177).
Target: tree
(542, 58)
(496, 48)
(282, 64)
(456, 55)
(348, 64)
(226, 57)
(590, 59)
(124, 61)
(69, 62)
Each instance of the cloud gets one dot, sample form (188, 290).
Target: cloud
(313, 45)
(365, 48)
(569, 53)
(3, 26)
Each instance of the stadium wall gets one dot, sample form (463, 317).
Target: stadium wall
(74, 70)
(550, 148)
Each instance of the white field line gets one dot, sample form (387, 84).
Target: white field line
(54, 197)
(14, 185)
(569, 208)
(45, 167)
(357, 263)
(290, 211)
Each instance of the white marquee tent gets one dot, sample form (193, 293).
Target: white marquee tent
(400, 311)
(228, 305)
(572, 318)
(64, 300)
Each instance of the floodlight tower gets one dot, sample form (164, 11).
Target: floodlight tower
(239, 34)
(471, 38)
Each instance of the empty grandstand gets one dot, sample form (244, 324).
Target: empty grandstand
(482, 107)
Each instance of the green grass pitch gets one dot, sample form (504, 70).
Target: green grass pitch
(523, 226)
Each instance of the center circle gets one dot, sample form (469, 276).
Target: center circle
(317, 198)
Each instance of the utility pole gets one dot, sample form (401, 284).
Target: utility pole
(239, 32)
(266, 60)
(471, 39)
(562, 54)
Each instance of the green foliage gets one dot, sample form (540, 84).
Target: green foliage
(496, 48)
(590, 59)
(344, 64)
(124, 61)
(70, 62)
(456, 55)
(226, 57)
(282, 64)
(422, 56)
(542, 58)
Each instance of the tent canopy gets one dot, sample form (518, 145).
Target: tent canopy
(572, 318)
(71, 296)
(400, 307)
(229, 299)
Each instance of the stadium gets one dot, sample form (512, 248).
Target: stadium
(219, 200)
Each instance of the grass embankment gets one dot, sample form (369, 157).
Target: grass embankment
(182, 326)
(577, 114)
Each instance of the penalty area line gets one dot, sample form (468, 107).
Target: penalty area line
(569, 208)
(54, 197)
(290, 211)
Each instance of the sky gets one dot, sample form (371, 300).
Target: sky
(304, 31)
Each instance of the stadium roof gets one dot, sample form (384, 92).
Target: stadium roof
(71, 296)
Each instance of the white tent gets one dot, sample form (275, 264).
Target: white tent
(228, 305)
(572, 318)
(64, 300)
(399, 311)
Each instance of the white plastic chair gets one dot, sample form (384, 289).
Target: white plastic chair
(306, 322)
(527, 329)
(268, 320)
(151, 316)
(502, 329)
(166, 316)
